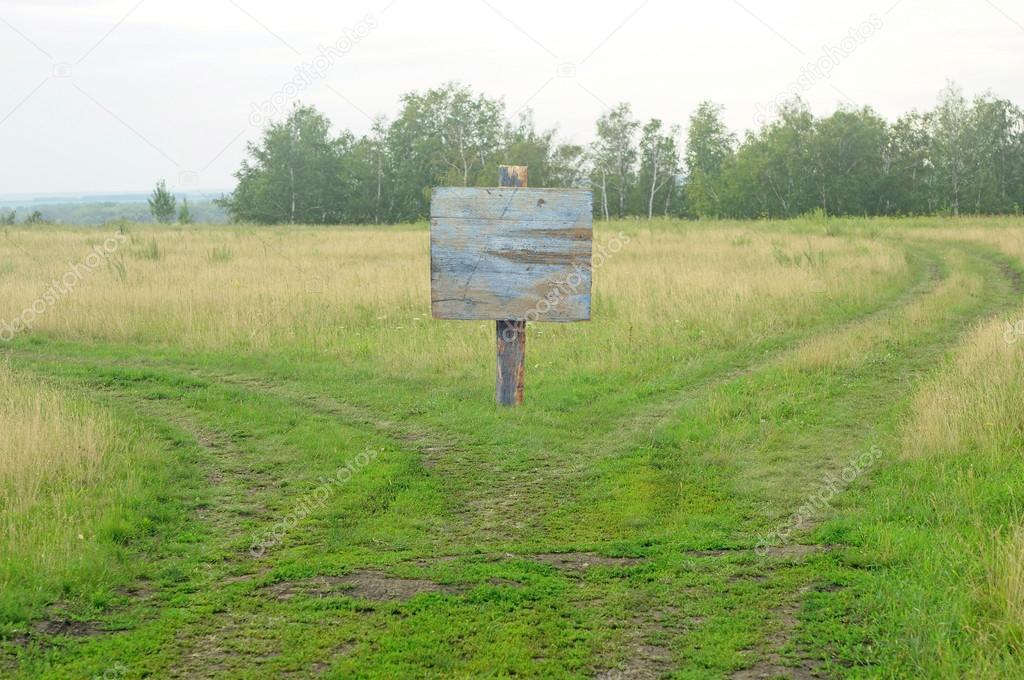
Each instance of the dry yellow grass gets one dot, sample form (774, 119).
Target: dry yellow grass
(47, 440)
(740, 280)
(52, 452)
(1008, 239)
(1006, 579)
(1001, 594)
(852, 345)
(358, 294)
(975, 404)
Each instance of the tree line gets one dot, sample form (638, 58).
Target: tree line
(10, 218)
(960, 157)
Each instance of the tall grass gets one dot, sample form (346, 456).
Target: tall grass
(1001, 598)
(61, 474)
(974, 404)
(966, 429)
(362, 294)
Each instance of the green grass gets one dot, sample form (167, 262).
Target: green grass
(665, 473)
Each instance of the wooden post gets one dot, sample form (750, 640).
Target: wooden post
(511, 333)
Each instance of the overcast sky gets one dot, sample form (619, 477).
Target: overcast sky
(111, 95)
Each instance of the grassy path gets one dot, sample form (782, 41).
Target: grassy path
(306, 527)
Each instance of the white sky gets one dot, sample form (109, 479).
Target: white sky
(111, 95)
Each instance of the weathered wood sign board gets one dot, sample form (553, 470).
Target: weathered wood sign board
(511, 253)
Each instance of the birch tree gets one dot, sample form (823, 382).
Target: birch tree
(659, 161)
(615, 155)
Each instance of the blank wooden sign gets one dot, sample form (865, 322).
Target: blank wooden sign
(511, 253)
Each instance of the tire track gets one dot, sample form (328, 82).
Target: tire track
(505, 497)
(433, 443)
(785, 617)
(487, 509)
(490, 507)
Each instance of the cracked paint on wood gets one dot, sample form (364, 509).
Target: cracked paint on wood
(511, 253)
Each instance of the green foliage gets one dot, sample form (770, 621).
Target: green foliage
(659, 166)
(162, 203)
(294, 174)
(614, 155)
(150, 250)
(8, 217)
(300, 173)
(457, 134)
(709, 145)
(118, 267)
(35, 217)
(221, 254)
(961, 157)
(184, 214)
(808, 258)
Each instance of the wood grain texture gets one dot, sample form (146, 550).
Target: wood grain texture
(511, 253)
(511, 355)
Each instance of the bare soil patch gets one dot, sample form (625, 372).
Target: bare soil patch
(364, 585)
(771, 665)
(66, 627)
(647, 657)
(647, 662)
(140, 591)
(785, 551)
(220, 649)
(581, 561)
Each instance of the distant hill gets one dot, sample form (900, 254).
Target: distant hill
(101, 208)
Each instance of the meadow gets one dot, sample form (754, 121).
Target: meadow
(779, 449)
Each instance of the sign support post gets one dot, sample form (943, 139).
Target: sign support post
(511, 333)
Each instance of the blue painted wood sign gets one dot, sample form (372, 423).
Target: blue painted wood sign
(511, 253)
